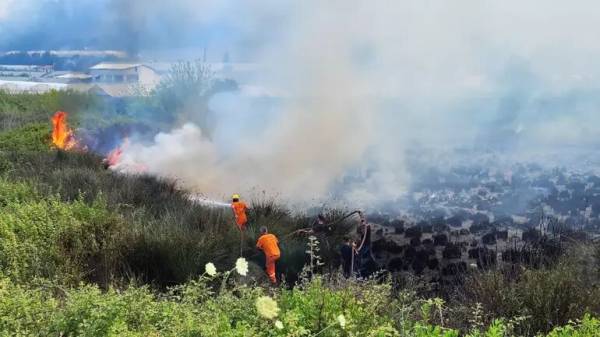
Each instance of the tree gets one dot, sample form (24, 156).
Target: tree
(185, 92)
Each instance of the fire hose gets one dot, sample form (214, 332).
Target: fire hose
(310, 229)
(355, 251)
(333, 223)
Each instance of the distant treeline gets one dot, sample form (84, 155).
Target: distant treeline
(71, 63)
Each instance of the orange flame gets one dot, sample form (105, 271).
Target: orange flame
(114, 160)
(114, 157)
(62, 135)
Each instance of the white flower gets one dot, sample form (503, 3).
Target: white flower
(342, 321)
(210, 269)
(241, 266)
(267, 307)
(279, 325)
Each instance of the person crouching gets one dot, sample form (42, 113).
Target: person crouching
(269, 244)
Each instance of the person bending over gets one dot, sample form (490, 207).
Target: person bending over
(269, 244)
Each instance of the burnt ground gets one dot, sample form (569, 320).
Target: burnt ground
(476, 218)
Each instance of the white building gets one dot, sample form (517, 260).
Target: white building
(130, 73)
(105, 79)
(121, 80)
(17, 87)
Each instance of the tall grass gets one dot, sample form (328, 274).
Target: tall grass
(542, 298)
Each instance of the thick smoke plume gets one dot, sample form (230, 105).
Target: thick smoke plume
(367, 84)
(374, 91)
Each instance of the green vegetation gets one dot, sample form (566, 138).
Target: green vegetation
(88, 252)
(312, 308)
(30, 138)
(17, 110)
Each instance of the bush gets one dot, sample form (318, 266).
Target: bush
(317, 307)
(25, 312)
(18, 110)
(30, 138)
(588, 327)
(168, 236)
(193, 310)
(545, 297)
(46, 238)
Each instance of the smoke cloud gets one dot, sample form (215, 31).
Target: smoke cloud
(373, 90)
(132, 25)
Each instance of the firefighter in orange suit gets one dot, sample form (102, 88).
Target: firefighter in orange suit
(239, 212)
(269, 244)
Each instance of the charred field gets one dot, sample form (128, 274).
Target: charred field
(476, 218)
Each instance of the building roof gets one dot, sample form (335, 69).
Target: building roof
(30, 86)
(115, 66)
(75, 76)
(23, 67)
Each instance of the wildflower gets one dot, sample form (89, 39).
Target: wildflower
(241, 266)
(267, 307)
(342, 321)
(279, 325)
(210, 269)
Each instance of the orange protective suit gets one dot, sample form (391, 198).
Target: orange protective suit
(269, 244)
(239, 211)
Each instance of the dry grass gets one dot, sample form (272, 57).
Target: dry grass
(545, 297)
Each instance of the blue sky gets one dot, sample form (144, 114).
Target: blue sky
(113, 24)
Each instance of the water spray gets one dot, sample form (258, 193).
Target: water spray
(200, 199)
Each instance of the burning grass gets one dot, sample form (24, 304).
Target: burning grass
(62, 135)
(168, 235)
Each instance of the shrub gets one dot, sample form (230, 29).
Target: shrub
(588, 327)
(547, 297)
(30, 138)
(168, 236)
(51, 239)
(18, 110)
(193, 310)
(317, 308)
(25, 312)
(16, 192)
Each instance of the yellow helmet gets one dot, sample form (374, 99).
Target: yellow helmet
(235, 196)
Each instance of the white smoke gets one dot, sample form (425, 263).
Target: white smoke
(5, 8)
(369, 81)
